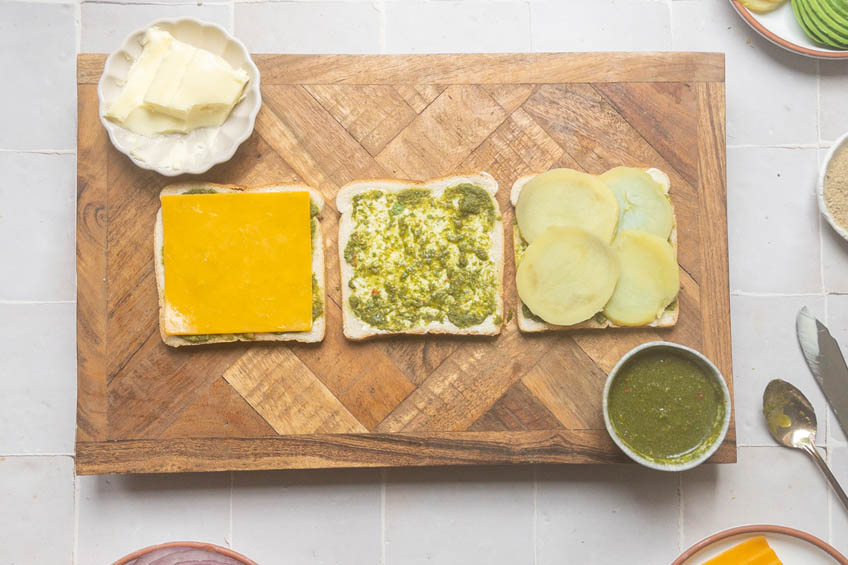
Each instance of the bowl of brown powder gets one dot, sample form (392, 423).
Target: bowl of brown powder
(833, 187)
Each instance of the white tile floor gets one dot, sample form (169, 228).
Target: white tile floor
(459, 516)
(782, 112)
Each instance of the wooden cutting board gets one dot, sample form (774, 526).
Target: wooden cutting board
(144, 407)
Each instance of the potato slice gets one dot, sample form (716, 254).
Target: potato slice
(642, 202)
(762, 6)
(566, 275)
(649, 279)
(565, 197)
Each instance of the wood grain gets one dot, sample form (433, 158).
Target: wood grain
(441, 136)
(373, 115)
(326, 120)
(219, 412)
(91, 271)
(517, 409)
(288, 395)
(712, 188)
(528, 68)
(357, 450)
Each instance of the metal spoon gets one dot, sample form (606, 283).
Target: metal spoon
(792, 422)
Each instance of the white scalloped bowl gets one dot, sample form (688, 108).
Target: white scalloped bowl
(842, 141)
(199, 150)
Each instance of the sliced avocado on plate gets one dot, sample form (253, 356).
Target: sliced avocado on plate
(836, 19)
(818, 22)
(839, 6)
(837, 34)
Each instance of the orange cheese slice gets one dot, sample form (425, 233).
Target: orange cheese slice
(755, 551)
(237, 263)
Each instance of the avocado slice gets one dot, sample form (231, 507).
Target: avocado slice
(830, 8)
(839, 6)
(812, 26)
(833, 21)
(803, 20)
(827, 25)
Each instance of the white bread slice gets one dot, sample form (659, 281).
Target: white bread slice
(316, 334)
(532, 325)
(357, 329)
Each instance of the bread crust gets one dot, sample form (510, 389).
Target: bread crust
(354, 328)
(530, 325)
(316, 334)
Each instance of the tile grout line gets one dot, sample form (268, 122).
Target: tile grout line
(670, 4)
(535, 514)
(163, 3)
(817, 145)
(818, 216)
(827, 451)
(23, 455)
(75, 525)
(383, 479)
(42, 151)
(230, 543)
(24, 302)
(680, 512)
(829, 500)
(821, 273)
(381, 12)
(78, 30)
(821, 445)
(53, 2)
(775, 294)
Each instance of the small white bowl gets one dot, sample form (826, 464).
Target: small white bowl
(199, 150)
(842, 141)
(708, 368)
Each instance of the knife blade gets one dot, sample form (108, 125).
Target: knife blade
(826, 362)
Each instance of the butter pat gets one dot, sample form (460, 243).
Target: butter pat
(207, 90)
(156, 43)
(174, 87)
(169, 78)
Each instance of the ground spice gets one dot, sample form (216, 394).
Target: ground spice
(836, 187)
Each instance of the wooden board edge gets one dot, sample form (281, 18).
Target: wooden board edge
(712, 191)
(470, 68)
(91, 270)
(325, 451)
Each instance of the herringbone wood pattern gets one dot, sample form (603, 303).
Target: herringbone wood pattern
(410, 400)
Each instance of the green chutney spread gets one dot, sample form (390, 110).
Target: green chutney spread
(418, 258)
(665, 407)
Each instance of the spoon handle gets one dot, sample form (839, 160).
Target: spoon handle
(814, 453)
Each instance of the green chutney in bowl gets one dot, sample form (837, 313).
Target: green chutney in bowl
(666, 406)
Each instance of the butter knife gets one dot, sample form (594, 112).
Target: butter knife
(826, 362)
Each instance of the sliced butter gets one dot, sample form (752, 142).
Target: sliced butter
(156, 43)
(169, 79)
(174, 87)
(237, 263)
(209, 90)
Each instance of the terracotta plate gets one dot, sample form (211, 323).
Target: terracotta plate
(790, 545)
(192, 544)
(781, 28)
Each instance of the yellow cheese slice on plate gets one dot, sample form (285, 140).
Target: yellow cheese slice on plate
(237, 263)
(755, 551)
